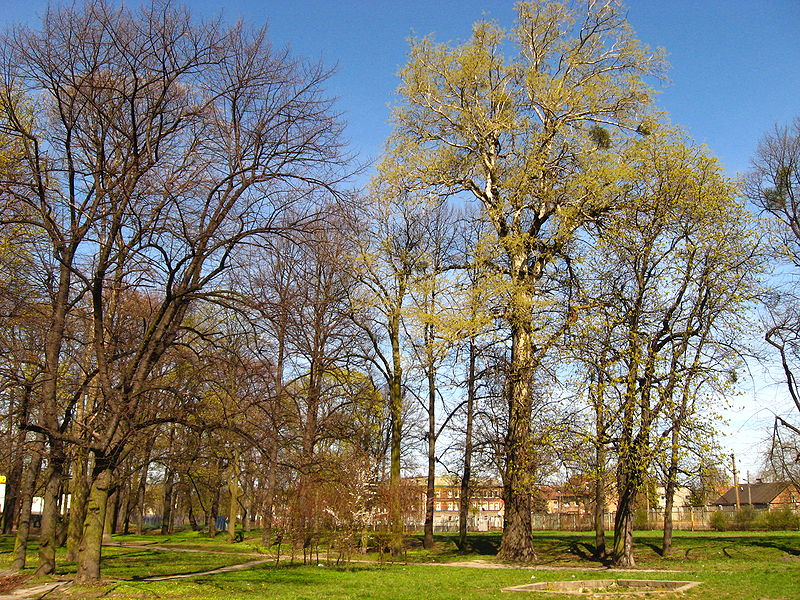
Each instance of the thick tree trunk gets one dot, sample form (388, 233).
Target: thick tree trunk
(48, 537)
(517, 541)
(622, 552)
(466, 484)
(25, 499)
(79, 492)
(90, 551)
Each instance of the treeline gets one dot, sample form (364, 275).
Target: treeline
(542, 275)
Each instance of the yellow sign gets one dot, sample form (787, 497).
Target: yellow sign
(2, 478)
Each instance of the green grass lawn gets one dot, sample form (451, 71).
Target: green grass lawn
(731, 565)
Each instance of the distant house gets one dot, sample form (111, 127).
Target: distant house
(761, 495)
(486, 506)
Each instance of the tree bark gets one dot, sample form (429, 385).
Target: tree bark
(517, 541)
(25, 496)
(600, 469)
(466, 479)
(600, 504)
(396, 425)
(233, 491)
(79, 492)
(166, 505)
(212, 519)
(108, 523)
(141, 489)
(427, 541)
(48, 537)
(669, 492)
(14, 479)
(90, 550)
(622, 551)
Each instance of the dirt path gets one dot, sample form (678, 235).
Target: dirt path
(33, 593)
(239, 567)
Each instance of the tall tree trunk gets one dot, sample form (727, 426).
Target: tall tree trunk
(396, 424)
(13, 491)
(79, 492)
(623, 528)
(272, 473)
(600, 468)
(233, 491)
(600, 502)
(123, 511)
(269, 498)
(669, 492)
(90, 551)
(141, 489)
(50, 412)
(14, 479)
(48, 537)
(212, 519)
(192, 517)
(427, 541)
(166, 505)
(108, 524)
(25, 496)
(466, 479)
(517, 541)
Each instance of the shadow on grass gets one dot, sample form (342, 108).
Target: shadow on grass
(792, 551)
(479, 544)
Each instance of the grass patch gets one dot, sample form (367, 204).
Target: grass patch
(731, 565)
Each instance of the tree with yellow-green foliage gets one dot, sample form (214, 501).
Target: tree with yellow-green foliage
(667, 283)
(533, 123)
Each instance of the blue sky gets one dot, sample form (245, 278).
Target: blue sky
(735, 73)
(735, 64)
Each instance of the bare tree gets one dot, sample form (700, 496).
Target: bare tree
(156, 147)
(774, 186)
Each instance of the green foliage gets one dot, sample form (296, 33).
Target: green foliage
(782, 520)
(720, 521)
(744, 518)
(600, 136)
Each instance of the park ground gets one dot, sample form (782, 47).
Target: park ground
(730, 565)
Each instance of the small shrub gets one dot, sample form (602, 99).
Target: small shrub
(720, 521)
(783, 519)
(744, 518)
